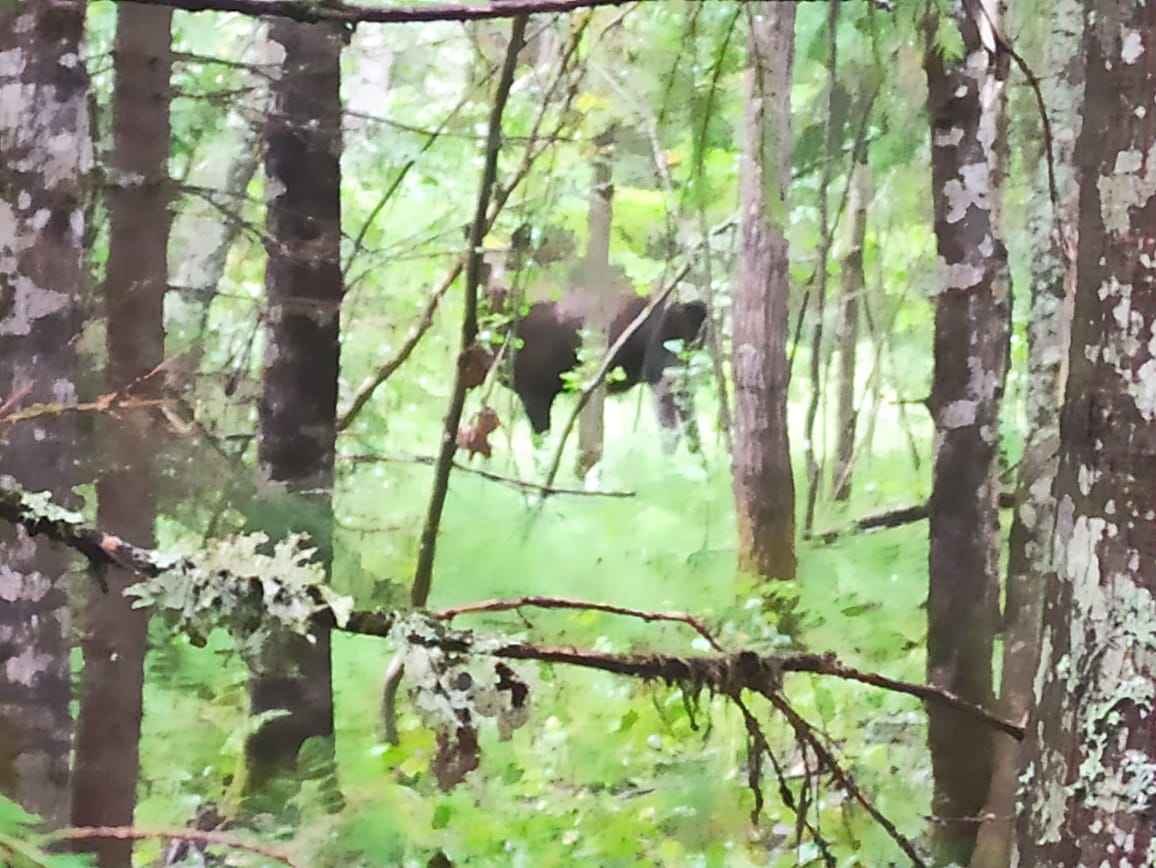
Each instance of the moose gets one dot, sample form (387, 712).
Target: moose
(547, 340)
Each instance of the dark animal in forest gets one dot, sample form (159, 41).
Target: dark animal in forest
(548, 340)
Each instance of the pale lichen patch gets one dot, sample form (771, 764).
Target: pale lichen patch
(1143, 390)
(1131, 45)
(11, 63)
(26, 667)
(1131, 184)
(947, 138)
(958, 414)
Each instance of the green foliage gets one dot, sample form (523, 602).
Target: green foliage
(20, 845)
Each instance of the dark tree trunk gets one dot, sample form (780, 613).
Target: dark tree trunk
(847, 327)
(303, 288)
(114, 633)
(44, 87)
(971, 351)
(1033, 522)
(763, 480)
(600, 296)
(1093, 747)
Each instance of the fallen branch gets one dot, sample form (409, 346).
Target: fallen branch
(896, 518)
(723, 673)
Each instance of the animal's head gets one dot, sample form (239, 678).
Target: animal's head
(685, 322)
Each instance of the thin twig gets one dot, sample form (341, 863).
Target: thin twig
(797, 807)
(691, 621)
(828, 664)
(105, 404)
(806, 734)
(521, 484)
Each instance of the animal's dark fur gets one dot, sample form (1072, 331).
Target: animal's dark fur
(548, 340)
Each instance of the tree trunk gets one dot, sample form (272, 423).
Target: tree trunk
(600, 296)
(763, 481)
(1030, 542)
(43, 83)
(303, 288)
(114, 633)
(1093, 736)
(847, 327)
(833, 135)
(971, 351)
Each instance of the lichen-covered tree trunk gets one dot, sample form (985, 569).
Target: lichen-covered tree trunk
(847, 326)
(600, 295)
(971, 351)
(113, 633)
(303, 288)
(44, 156)
(1061, 73)
(1089, 792)
(763, 482)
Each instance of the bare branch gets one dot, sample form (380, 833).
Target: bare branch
(352, 15)
(563, 603)
(521, 484)
(828, 664)
(222, 839)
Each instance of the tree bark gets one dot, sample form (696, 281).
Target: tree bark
(114, 634)
(763, 480)
(1061, 73)
(847, 326)
(1093, 757)
(600, 297)
(971, 352)
(44, 85)
(303, 286)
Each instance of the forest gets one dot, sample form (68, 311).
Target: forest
(577, 432)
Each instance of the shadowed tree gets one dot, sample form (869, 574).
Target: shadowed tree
(44, 155)
(303, 287)
(1093, 735)
(113, 634)
(971, 352)
(763, 482)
